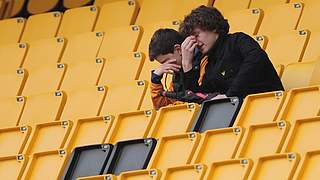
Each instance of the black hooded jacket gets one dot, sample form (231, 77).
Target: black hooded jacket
(237, 66)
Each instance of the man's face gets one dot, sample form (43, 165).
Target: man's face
(175, 56)
(205, 39)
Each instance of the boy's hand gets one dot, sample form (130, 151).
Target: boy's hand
(187, 49)
(167, 67)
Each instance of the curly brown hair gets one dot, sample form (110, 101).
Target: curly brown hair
(205, 18)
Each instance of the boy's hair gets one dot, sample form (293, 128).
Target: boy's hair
(162, 42)
(205, 18)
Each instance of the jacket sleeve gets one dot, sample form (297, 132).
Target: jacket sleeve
(254, 60)
(157, 100)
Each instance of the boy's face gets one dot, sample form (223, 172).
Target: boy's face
(175, 56)
(205, 39)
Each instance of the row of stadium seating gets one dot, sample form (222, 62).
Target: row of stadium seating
(255, 133)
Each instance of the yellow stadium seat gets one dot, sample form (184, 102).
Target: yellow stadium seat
(11, 30)
(113, 43)
(11, 75)
(253, 110)
(122, 69)
(32, 32)
(170, 9)
(266, 3)
(229, 169)
(280, 19)
(279, 68)
(301, 136)
(254, 141)
(131, 125)
(13, 82)
(15, 8)
(172, 151)
(301, 74)
(84, 102)
(11, 109)
(118, 95)
(76, 3)
(35, 113)
(48, 164)
(310, 11)
(13, 140)
(42, 62)
(278, 166)
(150, 174)
(294, 42)
(223, 142)
(312, 51)
(72, 25)
(144, 45)
(39, 6)
(100, 177)
(192, 172)
(48, 136)
(117, 14)
(227, 7)
(173, 120)
(301, 103)
(262, 40)
(89, 131)
(309, 167)
(246, 20)
(80, 57)
(12, 56)
(12, 167)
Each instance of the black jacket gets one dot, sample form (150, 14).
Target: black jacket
(237, 66)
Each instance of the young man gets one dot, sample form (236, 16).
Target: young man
(165, 47)
(236, 64)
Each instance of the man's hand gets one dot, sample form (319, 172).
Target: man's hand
(167, 67)
(187, 49)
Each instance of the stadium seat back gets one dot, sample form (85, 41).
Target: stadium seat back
(173, 120)
(223, 142)
(34, 113)
(11, 30)
(14, 140)
(295, 43)
(82, 127)
(12, 167)
(196, 172)
(280, 166)
(246, 20)
(117, 14)
(78, 20)
(33, 32)
(48, 137)
(254, 141)
(280, 19)
(253, 108)
(84, 102)
(172, 151)
(300, 103)
(301, 74)
(131, 125)
(221, 170)
(118, 95)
